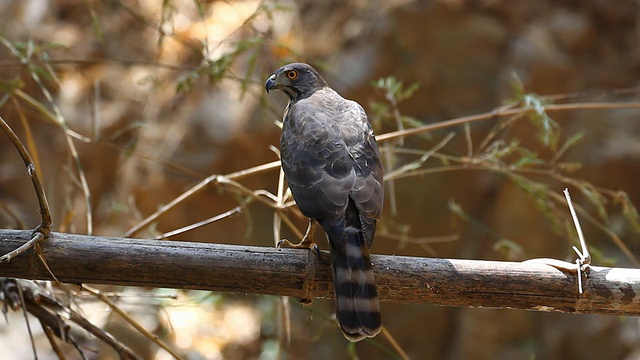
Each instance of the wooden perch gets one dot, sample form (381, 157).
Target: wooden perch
(297, 273)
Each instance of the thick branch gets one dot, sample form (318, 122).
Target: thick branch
(297, 273)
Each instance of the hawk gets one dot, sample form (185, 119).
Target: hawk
(332, 163)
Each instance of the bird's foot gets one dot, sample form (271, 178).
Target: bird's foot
(306, 243)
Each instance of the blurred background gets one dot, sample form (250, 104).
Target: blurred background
(154, 96)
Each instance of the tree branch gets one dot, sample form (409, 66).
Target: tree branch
(297, 273)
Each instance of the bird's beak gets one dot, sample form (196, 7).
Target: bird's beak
(271, 83)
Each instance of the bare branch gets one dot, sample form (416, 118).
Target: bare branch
(504, 112)
(297, 273)
(35, 238)
(202, 223)
(45, 213)
(585, 257)
(154, 338)
(54, 316)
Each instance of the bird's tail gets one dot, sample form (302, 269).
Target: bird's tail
(357, 306)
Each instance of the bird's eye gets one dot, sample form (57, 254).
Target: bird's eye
(292, 74)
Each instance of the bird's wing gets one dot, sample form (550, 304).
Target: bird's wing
(368, 190)
(329, 154)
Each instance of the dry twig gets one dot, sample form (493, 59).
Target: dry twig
(42, 230)
(53, 316)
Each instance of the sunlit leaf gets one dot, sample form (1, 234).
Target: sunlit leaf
(596, 199)
(549, 129)
(629, 210)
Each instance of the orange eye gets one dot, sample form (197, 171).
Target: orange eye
(292, 74)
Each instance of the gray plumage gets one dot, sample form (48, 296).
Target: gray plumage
(332, 163)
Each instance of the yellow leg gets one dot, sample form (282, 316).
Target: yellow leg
(307, 240)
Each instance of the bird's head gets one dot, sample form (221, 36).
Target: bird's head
(298, 80)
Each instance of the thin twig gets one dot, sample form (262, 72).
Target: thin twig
(583, 261)
(155, 339)
(26, 318)
(394, 343)
(584, 258)
(31, 145)
(208, 221)
(12, 214)
(614, 237)
(584, 254)
(123, 351)
(212, 180)
(35, 238)
(279, 200)
(40, 255)
(395, 174)
(45, 212)
(508, 112)
(388, 162)
(285, 304)
(165, 208)
(48, 115)
(59, 119)
(51, 336)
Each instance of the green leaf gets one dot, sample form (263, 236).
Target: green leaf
(596, 198)
(549, 129)
(517, 87)
(185, 82)
(571, 141)
(629, 210)
(527, 158)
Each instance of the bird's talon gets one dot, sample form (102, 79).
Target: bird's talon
(284, 243)
(316, 250)
(304, 244)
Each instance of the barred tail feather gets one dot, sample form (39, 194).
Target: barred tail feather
(356, 295)
(357, 306)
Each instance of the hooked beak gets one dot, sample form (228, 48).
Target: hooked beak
(271, 83)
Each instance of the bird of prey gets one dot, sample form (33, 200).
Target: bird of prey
(332, 163)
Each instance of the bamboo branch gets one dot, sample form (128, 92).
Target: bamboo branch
(297, 273)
